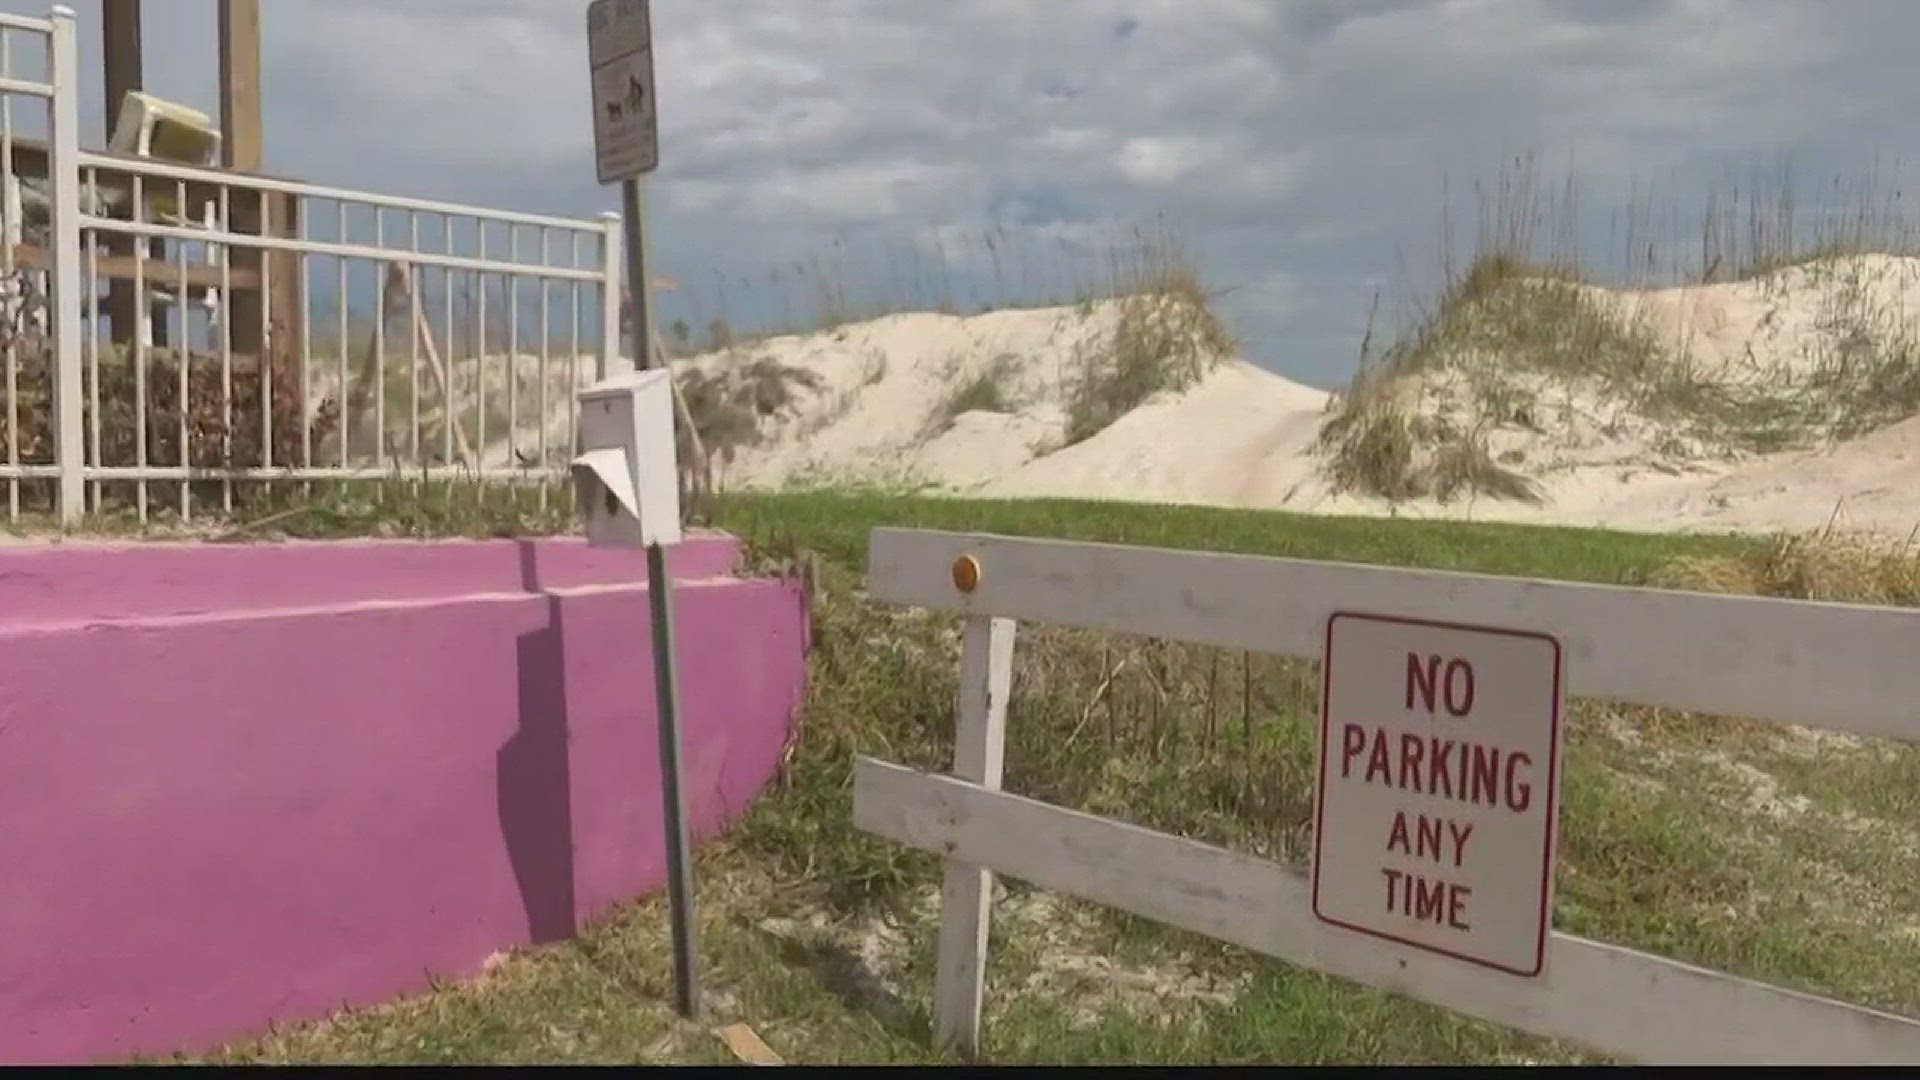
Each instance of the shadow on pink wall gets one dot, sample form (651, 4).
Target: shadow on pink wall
(535, 782)
(229, 808)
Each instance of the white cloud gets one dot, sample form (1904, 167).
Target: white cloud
(1301, 146)
(1158, 163)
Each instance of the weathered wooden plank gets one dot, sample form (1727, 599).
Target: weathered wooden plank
(1842, 667)
(1615, 1000)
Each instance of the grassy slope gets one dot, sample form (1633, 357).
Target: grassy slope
(836, 527)
(1730, 844)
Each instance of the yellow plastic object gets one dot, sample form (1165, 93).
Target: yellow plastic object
(152, 127)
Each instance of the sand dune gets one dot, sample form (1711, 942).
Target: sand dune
(1866, 483)
(1240, 438)
(874, 416)
(879, 409)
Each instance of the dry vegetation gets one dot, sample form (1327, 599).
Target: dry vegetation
(730, 404)
(1165, 336)
(949, 270)
(1828, 565)
(1153, 330)
(1501, 314)
(1521, 364)
(221, 426)
(984, 387)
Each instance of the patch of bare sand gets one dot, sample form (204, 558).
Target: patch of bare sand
(1238, 438)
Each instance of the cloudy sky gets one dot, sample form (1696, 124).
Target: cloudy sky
(1298, 148)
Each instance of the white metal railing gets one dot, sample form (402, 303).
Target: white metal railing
(1835, 667)
(176, 331)
(48, 214)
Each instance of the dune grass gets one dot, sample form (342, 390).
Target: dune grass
(1768, 851)
(951, 269)
(1522, 323)
(1165, 336)
(973, 386)
(1154, 327)
(1501, 311)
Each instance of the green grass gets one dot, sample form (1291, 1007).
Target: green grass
(1737, 845)
(836, 526)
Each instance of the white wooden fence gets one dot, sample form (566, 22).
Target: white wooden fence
(1831, 666)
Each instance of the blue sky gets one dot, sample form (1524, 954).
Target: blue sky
(1299, 149)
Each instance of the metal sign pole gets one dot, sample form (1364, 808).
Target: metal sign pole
(686, 974)
(626, 139)
(686, 961)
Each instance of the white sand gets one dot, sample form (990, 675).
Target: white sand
(882, 384)
(1243, 437)
(1240, 438)
(1777, 326)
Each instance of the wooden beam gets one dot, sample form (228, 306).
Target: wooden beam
(240, 126)
(1629, 1004)
(270, 324)
(240, 148)
(123, 67)
(120, 55)
(1744, 656)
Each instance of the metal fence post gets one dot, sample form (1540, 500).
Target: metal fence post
(64, 180)
(613, 358)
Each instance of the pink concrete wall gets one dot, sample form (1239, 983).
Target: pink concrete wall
(82, 581)
(219, 814)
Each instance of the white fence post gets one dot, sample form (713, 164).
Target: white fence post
(613, 353)
(966, 898)
(64, 180)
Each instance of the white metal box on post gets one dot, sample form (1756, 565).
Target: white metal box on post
(626, 479)
(626, 145)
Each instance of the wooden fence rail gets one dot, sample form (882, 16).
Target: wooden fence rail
(1838, 667)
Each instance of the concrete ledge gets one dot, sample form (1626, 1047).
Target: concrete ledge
(83, 580)
(358, 778)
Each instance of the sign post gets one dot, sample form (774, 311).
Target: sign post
(626, 142)
(1439, 794)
